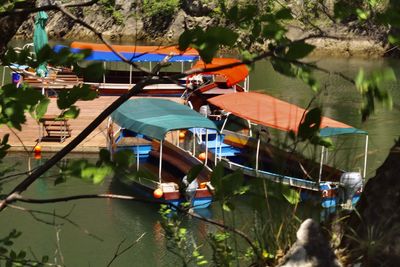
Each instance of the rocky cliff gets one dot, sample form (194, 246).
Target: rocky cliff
(164, 21)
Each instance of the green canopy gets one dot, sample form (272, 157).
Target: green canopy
(330, 131)
(154, 117)
(40, 39)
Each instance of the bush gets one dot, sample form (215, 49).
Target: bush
(164, 8)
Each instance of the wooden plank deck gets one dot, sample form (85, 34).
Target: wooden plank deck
(29, 135)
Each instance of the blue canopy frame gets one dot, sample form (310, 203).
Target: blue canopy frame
(110, 56)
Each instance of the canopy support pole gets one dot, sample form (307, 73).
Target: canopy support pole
(205, 161)
(160, 163)
(150, 66)
(182, 66)
(104, 74)
(130, 74)
(216, 149)
(365, 157)
(194, 141)
(220, 148)
(258, 152)
(223, 125)
(250, 131)
(137, 158)
(321, 164)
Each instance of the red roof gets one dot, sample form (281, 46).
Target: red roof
(267, 110)
(232, 75)
(135, 49)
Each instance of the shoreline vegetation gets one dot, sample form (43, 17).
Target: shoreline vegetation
(163, 22)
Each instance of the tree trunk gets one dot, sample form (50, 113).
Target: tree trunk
(10, 24)
(372, 234)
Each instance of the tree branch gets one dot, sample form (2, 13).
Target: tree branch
(75, 142)
(34, 213)
(131, 198)
(119, 253)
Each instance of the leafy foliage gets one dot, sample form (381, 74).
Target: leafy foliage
(207, 42)
(178, 239)
(153, 8)
(15, 101)
(372, 90)
(17, 258)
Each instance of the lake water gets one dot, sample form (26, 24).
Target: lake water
(110, 221)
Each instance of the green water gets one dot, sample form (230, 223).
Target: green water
(112, 221)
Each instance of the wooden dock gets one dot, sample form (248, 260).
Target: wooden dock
(89, 110)
(29, 136)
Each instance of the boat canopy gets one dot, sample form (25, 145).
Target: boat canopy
(232, 75)
(155, 117)
(101, 52)
(275, 113)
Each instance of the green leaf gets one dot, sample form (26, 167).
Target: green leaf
(273, 31)
(41, 108)
(104, 155)
(93, 70)
(284, 14)
(362, 14)
(71, 113)
(297, 50)
(59, 180)
(283, 67)
(291, 195)
(124, 158)
(194, 172)
(342, 9)
(309, 127)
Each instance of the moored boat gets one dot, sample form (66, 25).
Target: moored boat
(148, 128)
(260, 159)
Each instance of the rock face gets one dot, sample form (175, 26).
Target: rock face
(127, 22)
(311, 248)
(373, 232)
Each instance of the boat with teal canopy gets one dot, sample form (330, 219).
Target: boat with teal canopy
(152, 129)
(155, 117)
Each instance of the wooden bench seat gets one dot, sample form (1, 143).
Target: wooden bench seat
(54, 128)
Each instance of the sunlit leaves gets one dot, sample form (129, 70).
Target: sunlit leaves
(223, 253)
(86, 171)
(207, 42)
(17, 258)
(227, 186)
(67, 99)
(15, 101)
(291, 195)
(372, 88)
